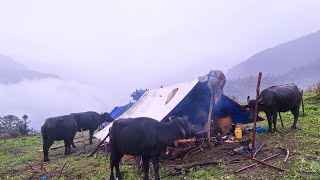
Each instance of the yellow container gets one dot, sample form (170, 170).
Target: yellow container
(238, 133)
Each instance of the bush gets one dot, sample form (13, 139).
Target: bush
(317, 88)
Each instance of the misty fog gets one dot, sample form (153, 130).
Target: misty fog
(40, 99)
(104, 50)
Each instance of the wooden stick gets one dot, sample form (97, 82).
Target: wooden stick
(288, 152)
(65, 162)
(267, 164)
(61, 146)
(174, 165)
(105, 147)
(95, 150)
(209, 119)
(203, 164)
(191, 152)
(97, 153)
(195, 165)
(255, 116)
(181, 169)
(244, 168)
(255, 153)
(41, 162)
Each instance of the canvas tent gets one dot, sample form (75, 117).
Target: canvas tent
(190, 98)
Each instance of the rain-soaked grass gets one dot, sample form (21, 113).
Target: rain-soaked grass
(19, 157)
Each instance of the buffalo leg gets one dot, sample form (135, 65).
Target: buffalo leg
(67, 144)
(67, 147)
(90, 136)
(46, 146)
(155, 163)
(145, 161)
(274, 121)
(45, 150)
(295, 113)
(269, 122)
(73, 145)
(281, 120)
(114, 161)
(117, 165)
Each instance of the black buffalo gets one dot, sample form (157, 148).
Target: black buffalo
(276, 99)
(145, 137)
(90, 121)
(57, 129)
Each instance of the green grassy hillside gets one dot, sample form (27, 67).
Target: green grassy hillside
(19, 157)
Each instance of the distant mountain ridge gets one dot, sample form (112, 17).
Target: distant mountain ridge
(280, 59)
(13, 72)
(304, 77)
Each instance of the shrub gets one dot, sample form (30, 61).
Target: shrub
(314, 88)
(317, 88)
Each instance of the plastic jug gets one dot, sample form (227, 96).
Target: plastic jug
(238, 133)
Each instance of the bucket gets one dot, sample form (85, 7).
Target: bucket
(260, 129)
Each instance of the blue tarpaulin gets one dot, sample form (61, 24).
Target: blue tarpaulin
(118, 111)
(196, 105)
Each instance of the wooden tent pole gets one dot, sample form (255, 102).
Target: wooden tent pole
(209, 119)
(255, 116)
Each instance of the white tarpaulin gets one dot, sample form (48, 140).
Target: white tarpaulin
(156, 104)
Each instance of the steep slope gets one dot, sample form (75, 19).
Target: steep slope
(280, 59)
(12, 72)
(304, 77)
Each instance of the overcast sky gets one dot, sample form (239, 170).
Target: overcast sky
(118, 46)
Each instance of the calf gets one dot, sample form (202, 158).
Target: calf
(90, 121)
(276, 99)
(145, 137)
(57, 129)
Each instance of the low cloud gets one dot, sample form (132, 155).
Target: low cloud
(44, 98)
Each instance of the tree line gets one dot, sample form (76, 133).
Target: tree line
(13, 126)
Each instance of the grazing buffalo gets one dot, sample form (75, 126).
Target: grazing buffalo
(57, 129)
(276, 99)
(90, 121)
(145, 137)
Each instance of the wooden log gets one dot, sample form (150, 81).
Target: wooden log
(244, 168)
(256, 115)
(186, 140)
(267, 164)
